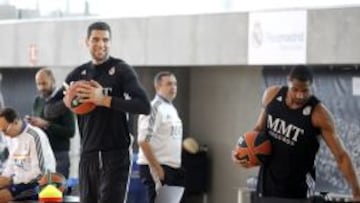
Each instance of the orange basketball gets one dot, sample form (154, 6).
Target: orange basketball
(72, 101)
(254, 147)
(57, 179)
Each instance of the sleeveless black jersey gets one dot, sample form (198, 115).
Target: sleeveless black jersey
(294, 146)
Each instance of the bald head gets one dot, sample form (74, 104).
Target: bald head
(45, 82)
(45, 72)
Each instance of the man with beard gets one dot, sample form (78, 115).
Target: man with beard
(113, 86)
(59, 129)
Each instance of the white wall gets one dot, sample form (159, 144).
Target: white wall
(334, 36)
(174, 40)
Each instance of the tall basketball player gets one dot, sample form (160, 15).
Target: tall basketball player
(294, 119)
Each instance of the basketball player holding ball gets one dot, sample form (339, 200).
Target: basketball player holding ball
(105, 140)
(294, 119)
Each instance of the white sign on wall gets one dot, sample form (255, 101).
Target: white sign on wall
(277, 37)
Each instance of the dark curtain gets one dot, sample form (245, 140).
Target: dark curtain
(18, 88)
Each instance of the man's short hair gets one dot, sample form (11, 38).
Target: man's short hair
(302, 73)
(98, 26)
(9, 114)
(158, 77)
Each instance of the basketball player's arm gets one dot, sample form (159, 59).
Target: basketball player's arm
(322, 119)
(138, 103)
(268, 96)
(260, 124)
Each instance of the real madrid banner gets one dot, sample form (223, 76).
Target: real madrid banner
(277, 37)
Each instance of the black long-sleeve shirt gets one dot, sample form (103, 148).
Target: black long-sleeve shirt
(106, 129)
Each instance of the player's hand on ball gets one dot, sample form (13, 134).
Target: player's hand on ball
(234, 158)
(91, 92)
(244, 163)
(66, 87)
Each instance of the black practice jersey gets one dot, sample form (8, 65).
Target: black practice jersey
(106, 129)
(294, 146)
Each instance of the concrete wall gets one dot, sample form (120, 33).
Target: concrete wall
(176, 40)
(213, 39)
(224, 103)
(7, 12)
(333, 36)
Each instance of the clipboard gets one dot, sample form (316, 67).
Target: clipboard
(169, 194)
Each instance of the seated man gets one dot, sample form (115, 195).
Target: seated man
(30, 156)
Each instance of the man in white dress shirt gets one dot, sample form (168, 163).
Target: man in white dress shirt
(30, 156)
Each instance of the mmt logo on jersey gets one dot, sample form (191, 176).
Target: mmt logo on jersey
(107, 91)
(176, 131)
(283, 131)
